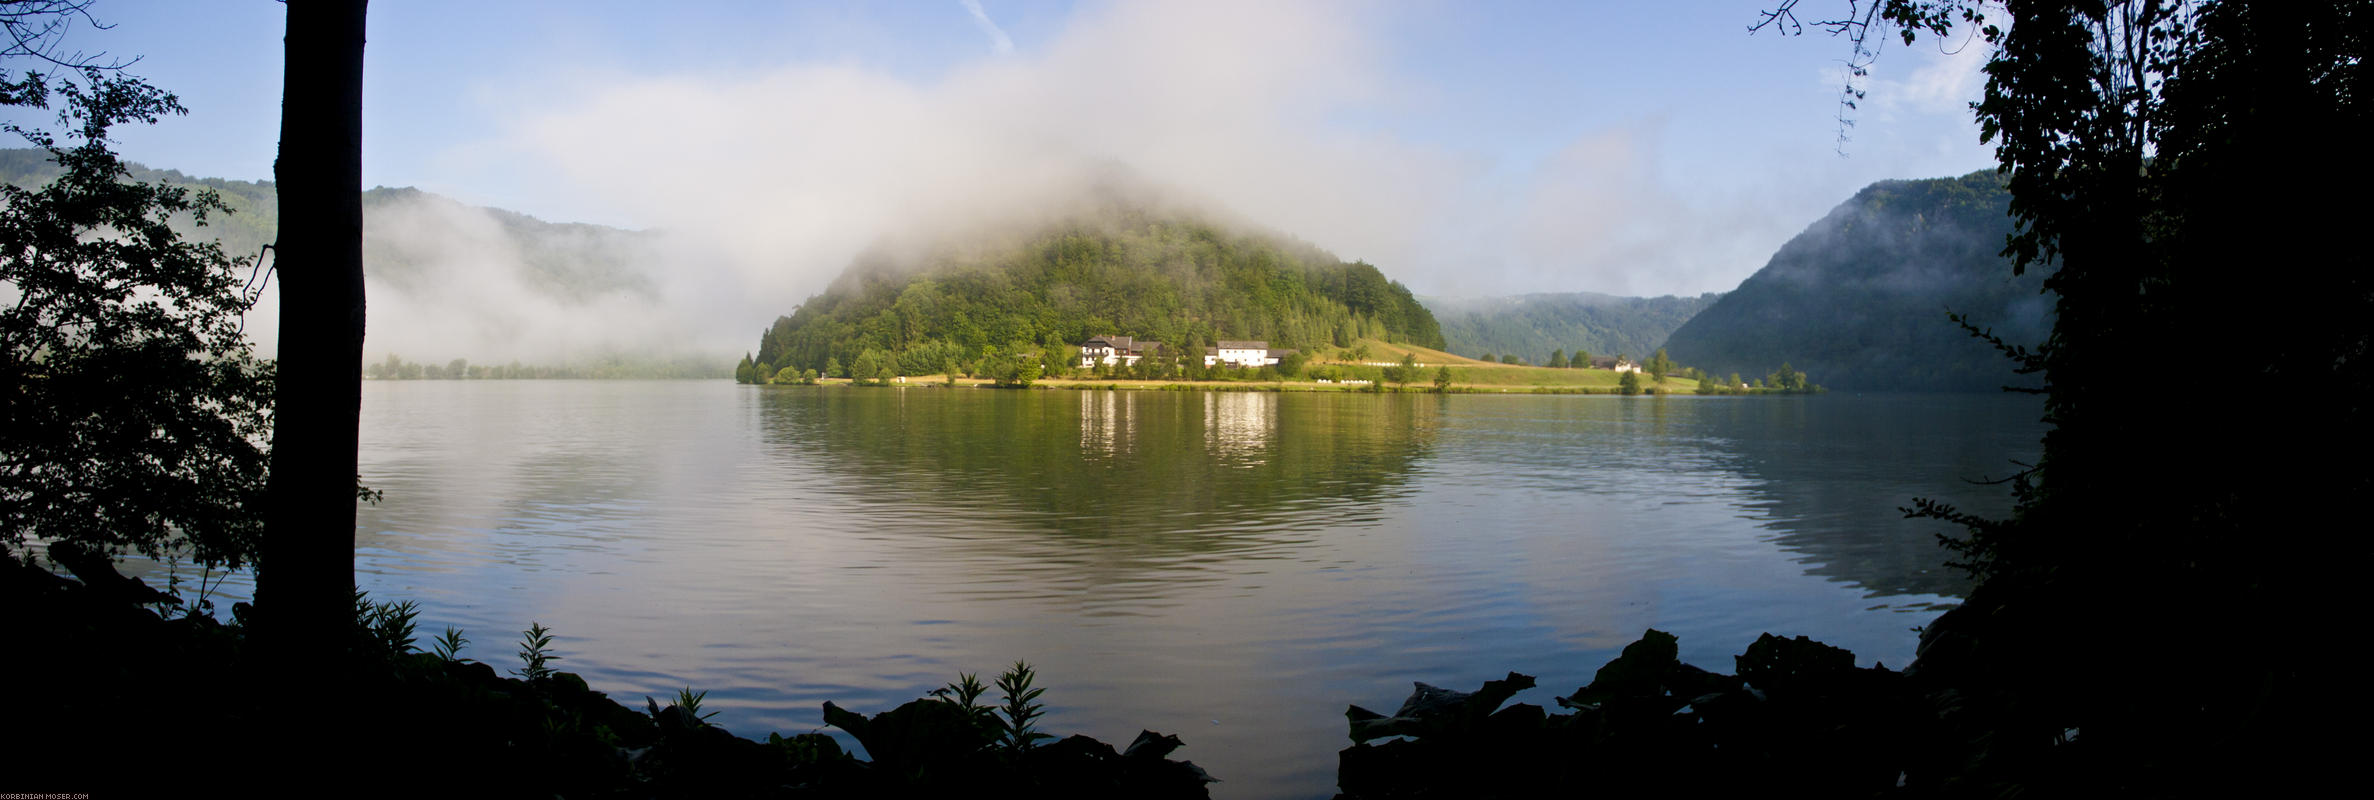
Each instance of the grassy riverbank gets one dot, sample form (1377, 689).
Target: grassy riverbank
(1669, 386)
(1368, 365)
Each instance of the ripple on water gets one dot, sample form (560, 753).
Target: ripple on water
(1167, 559)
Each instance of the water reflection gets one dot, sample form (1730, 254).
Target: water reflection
(1832, 473)
(1232, 567)
(1822, 477)
(1166, 472)
(1105, 418)
(1237, 425)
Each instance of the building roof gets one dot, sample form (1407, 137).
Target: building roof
(1242, 344)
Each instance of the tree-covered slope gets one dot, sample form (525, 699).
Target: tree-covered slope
(1859, 300)
(1535, 325)
(1124, 269)
(248, 227)
(451, 280)
(409, 234)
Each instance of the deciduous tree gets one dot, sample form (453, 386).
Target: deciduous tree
(1659, 365)
(137, 419)
(2152, 148)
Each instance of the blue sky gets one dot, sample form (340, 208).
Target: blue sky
(1464, 147)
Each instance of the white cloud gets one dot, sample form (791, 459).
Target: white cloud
(770, 181)
(1950, 82)
(788, 173)
(997, 36)
(1931, 82)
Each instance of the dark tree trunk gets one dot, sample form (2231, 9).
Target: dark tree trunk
(305, 579)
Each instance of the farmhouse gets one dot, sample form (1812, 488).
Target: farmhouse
(1617, 364)
(1243, 354)
(1121, 350)
(1127, 351)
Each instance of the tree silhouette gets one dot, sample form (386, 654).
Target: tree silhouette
(136, 415)
(2153, 150)
(305, 583)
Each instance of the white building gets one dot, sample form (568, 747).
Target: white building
(1121, 350)
(1617, 364)
(1242, 354)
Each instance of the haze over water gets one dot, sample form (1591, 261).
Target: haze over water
(1233, 568)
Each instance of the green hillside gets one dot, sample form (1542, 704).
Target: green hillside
(1535, 325)
(1122, 269)
(568, 261)
(248, 227)
(454, 280)
(1859, 300)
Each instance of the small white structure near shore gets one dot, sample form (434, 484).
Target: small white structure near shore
(1116, 350)
(1243, 353)
(1126, 351)
(1617, 364)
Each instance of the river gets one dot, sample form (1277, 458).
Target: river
(1231, 567)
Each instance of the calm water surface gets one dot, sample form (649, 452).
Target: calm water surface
(1234, 568)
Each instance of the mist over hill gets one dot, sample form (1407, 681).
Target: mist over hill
(1112, 257)
(1859, 300)
(1535, 325)
(451, 280)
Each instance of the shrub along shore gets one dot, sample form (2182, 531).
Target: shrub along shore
(122, 690)
(106, 659)
(1371, 365)
(1685, 388)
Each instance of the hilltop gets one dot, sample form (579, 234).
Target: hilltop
(406, 231)
(448, 279)
(1120, 265)
(1859, 299)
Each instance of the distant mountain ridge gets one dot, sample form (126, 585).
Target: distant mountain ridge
(1535, 325)
(248, 227)
(566, 260)
(448, 279)
(1858, 301)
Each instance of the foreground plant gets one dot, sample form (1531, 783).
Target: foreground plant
(449, 646)
(534, 652)
(950, 743)
(1018, 727)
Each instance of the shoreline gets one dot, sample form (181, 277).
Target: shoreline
(938, 382)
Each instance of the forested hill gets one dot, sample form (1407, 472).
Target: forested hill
(408, 234)
(1859, 300)
(1533, 326)
(450, 280)
(1123, 269)
(248, 227)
